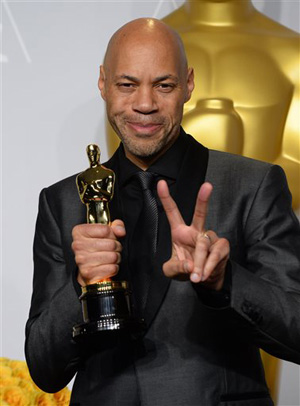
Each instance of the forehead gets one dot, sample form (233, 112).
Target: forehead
(150, 57)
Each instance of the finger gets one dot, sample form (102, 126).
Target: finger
(169, 205)
(96, 245)
(203, 245)
(177, 269)
(219, 253)
(86, 260)
(115, 230)
(92, 231)
(103, 272)
(202, 206)
(118, 228)
(97, 274)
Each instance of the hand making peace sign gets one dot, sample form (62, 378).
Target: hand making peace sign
(197, 254)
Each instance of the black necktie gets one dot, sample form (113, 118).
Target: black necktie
(144, 240)
(149, 210)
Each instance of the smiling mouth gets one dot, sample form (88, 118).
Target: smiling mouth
(144, 128)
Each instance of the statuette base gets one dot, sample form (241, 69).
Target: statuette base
(106, 306)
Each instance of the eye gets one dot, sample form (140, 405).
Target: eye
(165, 87)
(126, 86)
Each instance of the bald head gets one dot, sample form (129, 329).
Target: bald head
(145, 82)
(145, 32)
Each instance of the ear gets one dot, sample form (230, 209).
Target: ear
(101, 82)
(190, 84)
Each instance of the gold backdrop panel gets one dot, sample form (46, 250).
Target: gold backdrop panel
(241, 55)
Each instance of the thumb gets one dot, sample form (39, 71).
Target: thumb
(118, 228)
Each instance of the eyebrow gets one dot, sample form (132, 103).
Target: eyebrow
(156, 80)
(165, 77)
(128, 77)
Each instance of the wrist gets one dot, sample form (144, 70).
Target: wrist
(216, 298)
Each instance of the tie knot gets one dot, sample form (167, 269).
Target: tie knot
(145, 179)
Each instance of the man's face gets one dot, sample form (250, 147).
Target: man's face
(145, 86)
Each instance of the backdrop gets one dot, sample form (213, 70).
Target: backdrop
(51, 109)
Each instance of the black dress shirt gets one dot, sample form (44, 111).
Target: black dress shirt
(166, 167)
(130, 195)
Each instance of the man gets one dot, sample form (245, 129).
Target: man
(224, 280)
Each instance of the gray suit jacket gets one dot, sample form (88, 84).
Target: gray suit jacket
(192, 353)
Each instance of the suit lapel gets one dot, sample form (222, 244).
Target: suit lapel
(191, 176)
(116, 212)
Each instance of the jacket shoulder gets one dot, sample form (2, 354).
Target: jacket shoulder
(64, 190)
(233, 161)
(62, 199)
(63, 186)
(237, 169)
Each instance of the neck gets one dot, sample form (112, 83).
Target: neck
(219, 13)
(142, 163)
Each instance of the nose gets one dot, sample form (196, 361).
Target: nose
(145, 101)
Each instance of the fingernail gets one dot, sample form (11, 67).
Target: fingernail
(120, 228)
(195, 277)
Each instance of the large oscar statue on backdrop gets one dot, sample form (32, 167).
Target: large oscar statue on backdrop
(246, 100)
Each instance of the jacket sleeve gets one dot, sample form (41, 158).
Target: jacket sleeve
(261, 300)
(52, 355)
(265, 290)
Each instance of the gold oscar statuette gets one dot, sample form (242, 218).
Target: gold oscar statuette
(106, 304)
